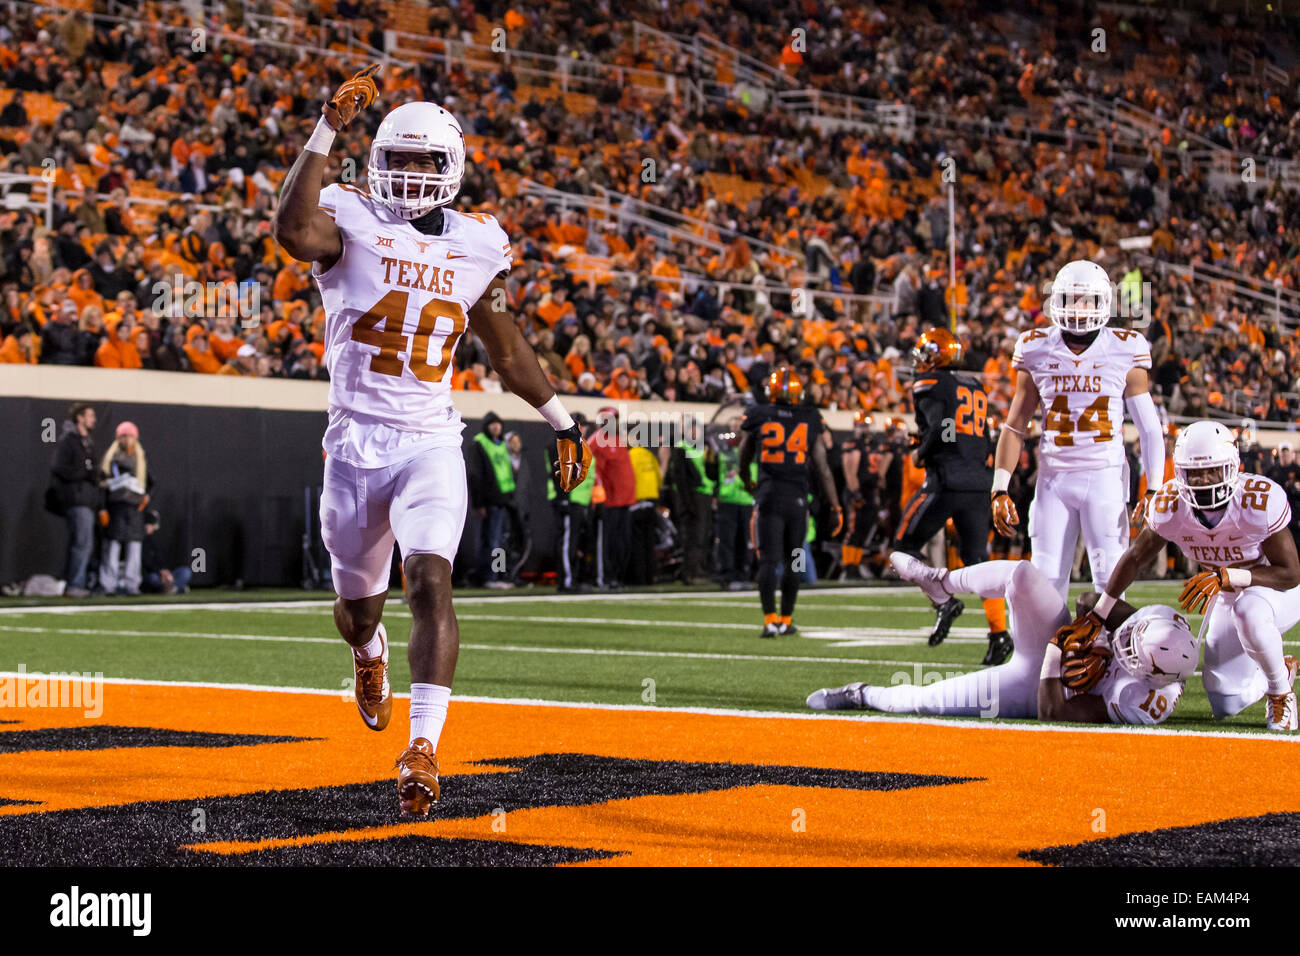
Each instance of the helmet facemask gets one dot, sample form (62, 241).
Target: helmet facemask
(1207, 487)
(1080, 308)
(410, 193)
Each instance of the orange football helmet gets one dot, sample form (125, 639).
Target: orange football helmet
(784, 386)
(936, 348)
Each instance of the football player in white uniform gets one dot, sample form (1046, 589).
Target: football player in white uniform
(1236, 527)
(401, 278)
(1081, 373)
(1133, 674)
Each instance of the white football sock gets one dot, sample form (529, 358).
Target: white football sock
(987, 579)
(374, 647)
(428, 711)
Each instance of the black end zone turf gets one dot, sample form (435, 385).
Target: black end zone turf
(157, 833)
(110, 737)
(1269, 840)
(414, 851)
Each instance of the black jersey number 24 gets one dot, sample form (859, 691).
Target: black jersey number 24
(778, 448)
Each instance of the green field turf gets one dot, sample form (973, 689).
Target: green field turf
(671, 649)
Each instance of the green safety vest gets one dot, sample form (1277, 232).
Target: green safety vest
(731, 491)
(580, 495)
(696, 458)
(1130, 289)
(499, 457)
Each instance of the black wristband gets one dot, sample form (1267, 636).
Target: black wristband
(573, 433)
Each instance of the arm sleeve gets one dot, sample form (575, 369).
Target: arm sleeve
(1143, 411)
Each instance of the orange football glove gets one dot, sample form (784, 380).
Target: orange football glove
(352, 97)
(1078, 636)
(1081, 672)
(837, 515)
(573, 458)
(1201, 587)
(1005, 516)
(1140, 510)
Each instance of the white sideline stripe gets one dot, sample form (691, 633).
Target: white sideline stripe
(511, 648)
(959, 723)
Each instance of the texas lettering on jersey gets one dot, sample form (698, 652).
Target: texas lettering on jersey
(396, 304)
(1082, 395)
(1257, 510)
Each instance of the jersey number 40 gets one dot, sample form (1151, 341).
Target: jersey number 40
(381, 327)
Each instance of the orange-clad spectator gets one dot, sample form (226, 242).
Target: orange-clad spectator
(622, 387)
(82, 291)
(22, 347)
(577, 359)
(224, 341)
(515, 20)
(554, 306)
(118, 350)
(67, 178)
(201, 358)
(290, 282)
(466, 380)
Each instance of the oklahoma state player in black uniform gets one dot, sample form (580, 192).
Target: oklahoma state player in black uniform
(953, 448)
(785, 437)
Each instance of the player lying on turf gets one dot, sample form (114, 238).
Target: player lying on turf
(400, 281)
(1235, 526)
(1048, 677)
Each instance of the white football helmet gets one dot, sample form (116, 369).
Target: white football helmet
(1206, 465)
(417, 128)
(1081, 297)
(1158, 648)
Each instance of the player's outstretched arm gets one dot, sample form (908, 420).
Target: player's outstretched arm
(516, 362)
(1107, 612)
(1007, 456)
(1142, 409)
(304, 229)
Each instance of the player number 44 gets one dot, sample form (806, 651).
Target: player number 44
(1094, 418)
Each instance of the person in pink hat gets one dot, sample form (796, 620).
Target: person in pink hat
(124, 475)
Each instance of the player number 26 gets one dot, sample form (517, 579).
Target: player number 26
(381, 327)
(1255, 494)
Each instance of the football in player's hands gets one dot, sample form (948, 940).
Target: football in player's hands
(1078, 637)
(1081, 670)
(352, 97)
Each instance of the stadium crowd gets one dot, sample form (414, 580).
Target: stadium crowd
(165, 163)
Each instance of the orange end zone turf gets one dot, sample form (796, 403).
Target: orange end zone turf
(642, 787)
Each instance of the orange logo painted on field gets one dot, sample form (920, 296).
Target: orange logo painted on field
(172, 774)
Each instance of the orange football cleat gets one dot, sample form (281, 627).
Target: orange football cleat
(417, 778)
(374, 696)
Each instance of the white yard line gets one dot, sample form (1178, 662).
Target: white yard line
(505, 648)
(955, 723)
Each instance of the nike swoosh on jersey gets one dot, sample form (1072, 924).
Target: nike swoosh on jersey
(450, 256)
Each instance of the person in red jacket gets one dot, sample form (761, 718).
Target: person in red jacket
(613, 462)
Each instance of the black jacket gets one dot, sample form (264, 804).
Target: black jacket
(75, 471)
